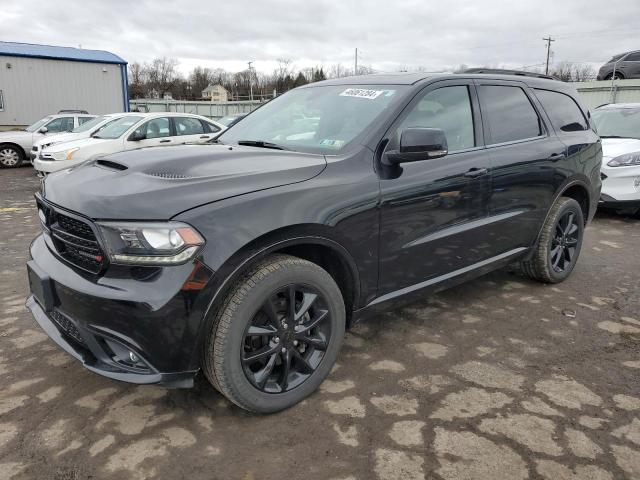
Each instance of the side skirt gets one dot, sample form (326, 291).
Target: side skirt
(439, 283)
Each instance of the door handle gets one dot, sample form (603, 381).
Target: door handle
(556, 156)
(204, 136)
(165, 141)
(476, 172)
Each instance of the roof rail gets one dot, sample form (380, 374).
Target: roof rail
(73, 111)
(500, 71)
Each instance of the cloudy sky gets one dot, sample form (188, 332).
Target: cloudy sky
(390, 35)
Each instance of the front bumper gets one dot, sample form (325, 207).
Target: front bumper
(620, 187)
(155, 313)
(50, 166)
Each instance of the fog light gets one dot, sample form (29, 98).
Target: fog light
(636, 182)
(133, 357)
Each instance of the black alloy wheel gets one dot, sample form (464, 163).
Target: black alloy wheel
(556, 252)
(287, 339)
(276, 334)
(563, 246)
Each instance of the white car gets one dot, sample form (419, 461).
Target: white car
(85, 130)
(133, 130)
(619, 127)
(15, 144)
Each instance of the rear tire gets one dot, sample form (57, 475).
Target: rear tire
(10, 156)
(558, 247)
(264, 355)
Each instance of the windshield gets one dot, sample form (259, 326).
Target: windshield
(323, 119)
(117, 128)
(36, 126)
(88, 125)
(619, 122)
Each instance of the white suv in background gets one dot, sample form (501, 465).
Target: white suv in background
(131, 131)
(619, 127)
(15, 144)
(85, 130)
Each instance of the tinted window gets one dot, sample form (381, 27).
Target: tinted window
(210, 127)
(634, 57)
(509, 114)
(563, 111)
(82, 120)
(188, 126)
(448, 109)
(61, 124)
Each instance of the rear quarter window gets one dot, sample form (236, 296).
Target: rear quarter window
(564, 112)
(509, 114)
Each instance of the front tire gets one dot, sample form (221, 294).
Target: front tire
(276, 335)
(10, 156)
(558, 248)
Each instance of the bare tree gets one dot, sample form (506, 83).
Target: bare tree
(162, 74)
(573, 72)
(199, 79)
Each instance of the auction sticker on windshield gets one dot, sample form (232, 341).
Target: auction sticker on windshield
(362, 93)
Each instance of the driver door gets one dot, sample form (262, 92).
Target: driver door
(157, 131)
(433, 212)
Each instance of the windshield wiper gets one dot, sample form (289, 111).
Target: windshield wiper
(261, 144)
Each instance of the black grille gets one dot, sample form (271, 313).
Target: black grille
(66, 326)
(73, 239)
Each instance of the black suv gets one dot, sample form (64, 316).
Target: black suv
(248, 258)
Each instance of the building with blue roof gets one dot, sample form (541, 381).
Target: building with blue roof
(38, 80)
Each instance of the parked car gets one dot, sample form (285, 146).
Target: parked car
(230, 120)
(15, 144)
(85, 130)
(621, 66)
(131, 131)
(619, 128)
(247, 259)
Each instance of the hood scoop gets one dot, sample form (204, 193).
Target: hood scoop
(111, 165)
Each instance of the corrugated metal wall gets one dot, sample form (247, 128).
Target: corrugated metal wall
(211, 110)
(594, 94)
(34, 87)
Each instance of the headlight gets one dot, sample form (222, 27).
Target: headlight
(626, 160)
(69, 153)
(152, 243)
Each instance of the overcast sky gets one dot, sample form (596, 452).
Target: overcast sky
(390, 34)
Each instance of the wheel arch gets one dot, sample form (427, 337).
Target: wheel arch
(577, 189)
(310, 242)
(17, 147)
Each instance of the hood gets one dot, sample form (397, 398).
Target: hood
(158, 183)
(75, 142)
(58, 138)
(16, 135)
(613, 147)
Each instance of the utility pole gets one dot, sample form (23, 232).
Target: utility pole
(548, 40)
(250, 81)
(355, 70)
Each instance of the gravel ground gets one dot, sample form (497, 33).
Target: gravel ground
(501, 378)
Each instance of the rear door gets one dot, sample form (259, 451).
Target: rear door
(524, 153)
(433, 211)
(630, 66)
(190, 130)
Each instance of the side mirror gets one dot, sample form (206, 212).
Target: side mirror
(137, 135)
(43, 130)
(417, 144)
